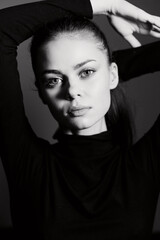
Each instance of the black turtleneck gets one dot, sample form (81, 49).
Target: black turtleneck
(88, 158)
(106, 191)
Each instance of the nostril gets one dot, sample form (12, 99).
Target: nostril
(72, 93)
(71, 96)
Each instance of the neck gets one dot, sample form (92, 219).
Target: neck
(98, 127)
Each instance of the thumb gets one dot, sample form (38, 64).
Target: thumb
(132, 41)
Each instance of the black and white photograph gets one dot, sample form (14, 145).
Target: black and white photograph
(79, 119)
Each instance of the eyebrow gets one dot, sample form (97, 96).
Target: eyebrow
(54, 71)
(51, 71)
(83, 63)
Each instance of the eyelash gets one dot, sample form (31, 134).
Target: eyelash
(90, 72)
(49, 83)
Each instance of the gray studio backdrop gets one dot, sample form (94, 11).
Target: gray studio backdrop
(143, 93)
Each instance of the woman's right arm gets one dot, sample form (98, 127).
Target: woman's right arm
(16, 25)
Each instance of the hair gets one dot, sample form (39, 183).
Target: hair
(118, 118)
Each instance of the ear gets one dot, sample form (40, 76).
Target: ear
(114, 78)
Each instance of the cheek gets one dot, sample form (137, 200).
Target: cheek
(54, 104)
(101, 95)
(103, 103)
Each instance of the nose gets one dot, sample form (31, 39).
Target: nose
(73, 89)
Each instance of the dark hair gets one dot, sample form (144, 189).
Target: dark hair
(118, 118)
(72, 24)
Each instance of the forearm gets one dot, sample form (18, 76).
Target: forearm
(105, 6)
(20, 22)
(134, 62)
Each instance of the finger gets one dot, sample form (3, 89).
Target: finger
(154, 20)
(129, 10)
(148, 29)
(155, 29)
(155, 34)
(132, 41)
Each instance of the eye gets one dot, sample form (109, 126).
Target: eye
(53, 82)
(86, 73)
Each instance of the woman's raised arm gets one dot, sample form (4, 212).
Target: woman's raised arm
(16, 25)
(20, 22)
(128, 19)
(134, 62)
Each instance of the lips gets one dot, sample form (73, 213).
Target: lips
(78, 111)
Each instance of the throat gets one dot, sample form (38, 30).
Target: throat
(99, 127)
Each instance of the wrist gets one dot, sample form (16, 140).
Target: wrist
(105, 6)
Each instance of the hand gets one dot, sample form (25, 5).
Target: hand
(127, 19)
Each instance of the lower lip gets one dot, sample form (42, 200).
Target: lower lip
(79, 112)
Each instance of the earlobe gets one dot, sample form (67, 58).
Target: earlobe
(114, 78)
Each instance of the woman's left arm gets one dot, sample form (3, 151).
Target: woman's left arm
(128, 19)
(134, 62)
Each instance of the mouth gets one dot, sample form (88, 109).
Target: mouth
(78, 111)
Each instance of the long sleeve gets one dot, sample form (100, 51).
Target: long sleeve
(16, 25)
(20, 22)
(134, 62)
(147, 154)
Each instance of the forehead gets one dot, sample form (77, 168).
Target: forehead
(70, 48)
(80, 38)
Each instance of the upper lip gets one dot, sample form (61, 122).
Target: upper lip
(77, 108)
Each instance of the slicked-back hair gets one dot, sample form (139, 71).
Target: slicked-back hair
(118, 118)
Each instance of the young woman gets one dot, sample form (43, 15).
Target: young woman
(90, 185)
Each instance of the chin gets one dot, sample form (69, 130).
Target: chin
(78, 125)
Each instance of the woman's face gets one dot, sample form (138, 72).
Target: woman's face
(75, 79)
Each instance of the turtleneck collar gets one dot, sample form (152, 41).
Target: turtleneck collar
(84, 162)
(86, 147)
